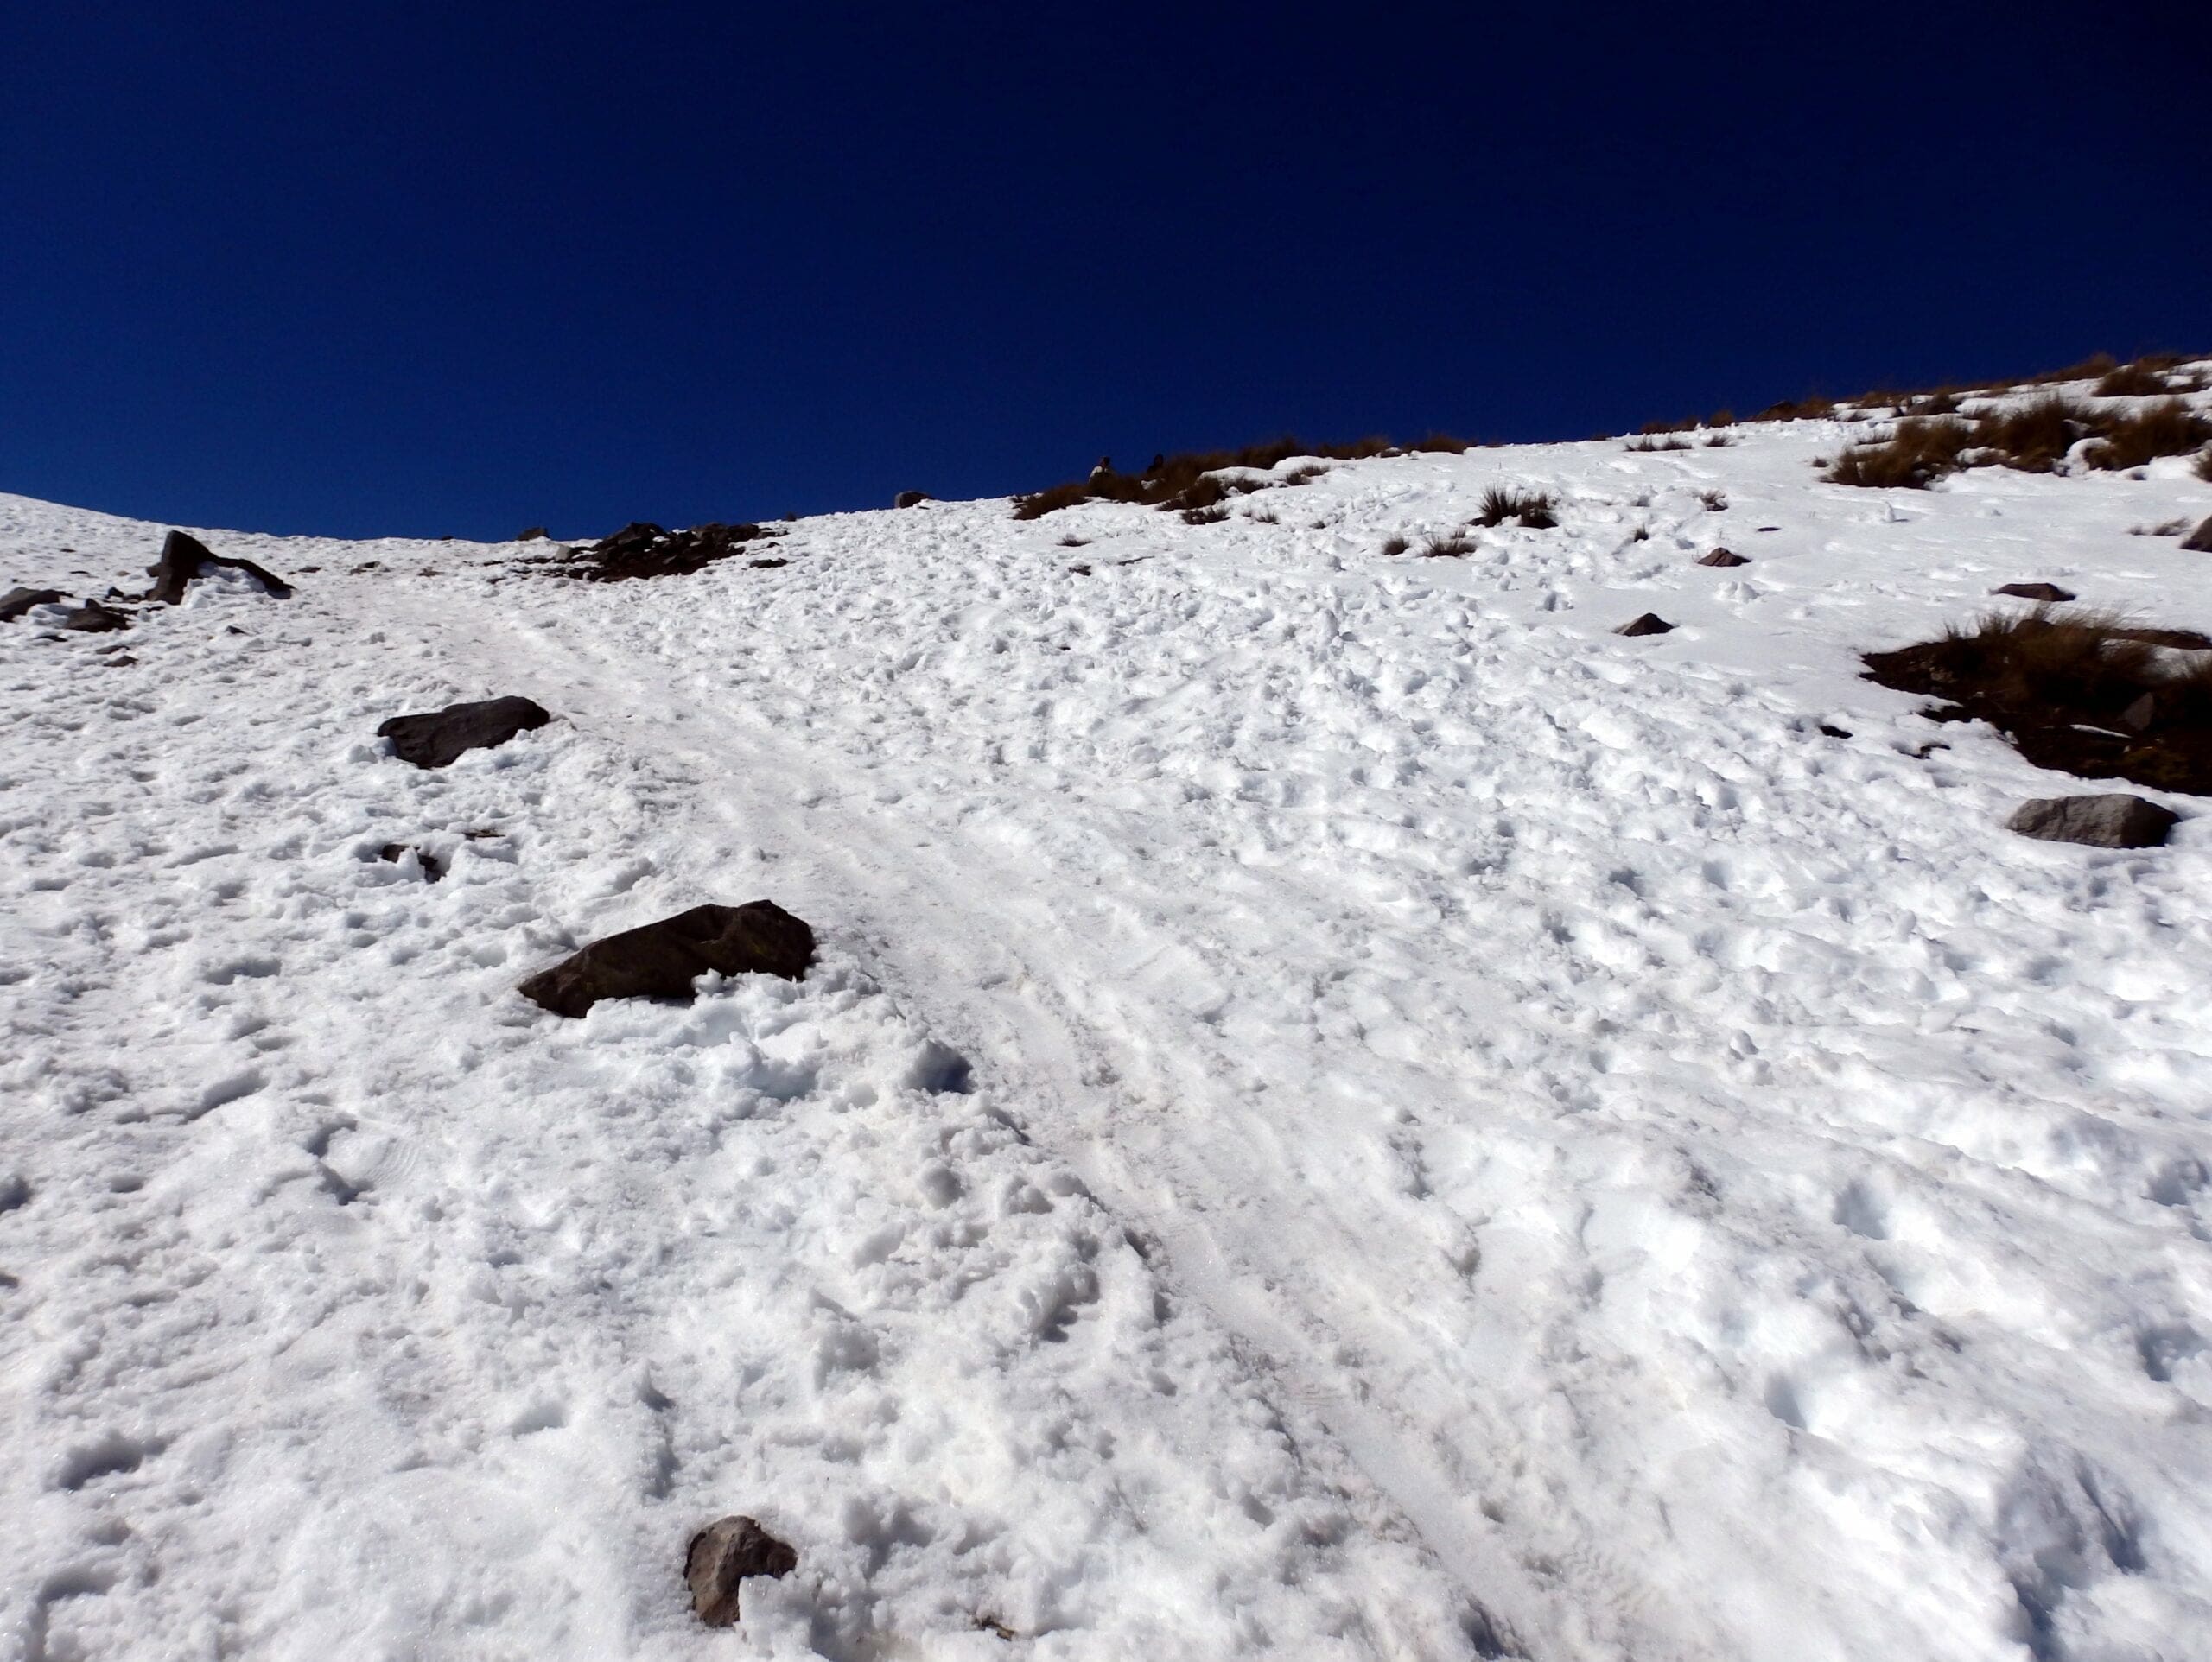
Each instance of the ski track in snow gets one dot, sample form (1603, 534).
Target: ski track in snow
(1478, 1135)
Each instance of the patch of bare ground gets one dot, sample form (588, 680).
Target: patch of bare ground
(644, 549)
(2086, 693)
(1192, 481)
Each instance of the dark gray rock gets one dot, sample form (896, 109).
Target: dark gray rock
(93, 618)
(433, 867)
(661, 960)
(439, 737)
(2048, 592)
(1723, 557)
(535, 533)
(184, 558)
(2200, 540)
(1650, 623)
(909, 498)
(721, 1556)
(17, 601)
(2114, 821)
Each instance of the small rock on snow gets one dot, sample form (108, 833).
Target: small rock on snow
(1723, 557)
(2047, 592)
(721, 1556)
(2112, 821)
(1650, 623)
(910, 500)
(661, 960)
(2200, 540)
(17, 601)
(436, 739)
(433, 867)
(93, 618)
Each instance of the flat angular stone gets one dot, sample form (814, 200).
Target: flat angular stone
(93, 618)
(2114, 821)
(661, 960)
(1650, 623)
(2200, 540)
(2048, 592)
(1723, 557)
(721, 1556)
(436, 739)
(17, 601)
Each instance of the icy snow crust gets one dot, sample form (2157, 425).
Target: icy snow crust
(1478, 1135)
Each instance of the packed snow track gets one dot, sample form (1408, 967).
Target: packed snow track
(1344, 1110)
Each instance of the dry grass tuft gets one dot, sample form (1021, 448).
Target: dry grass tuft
(2085, 691)
(2141, 379)
(1394, 547)
(1918, 453)
(2034, 437)
(1534, 509)
(1650, 443)
(1714, 501)
(1814, 406)
(2169, 428)
(1447, 545)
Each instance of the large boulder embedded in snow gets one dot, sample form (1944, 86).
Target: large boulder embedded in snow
(722, 1554)
(910, 500)
(2115, 821)
(436, 738)
(184, 558)
(1724, 558)
(661, 960)
(2200, 540)
(17, 601)
(1650, 623)
(2050, 593)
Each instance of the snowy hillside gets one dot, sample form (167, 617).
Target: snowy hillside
(1343, 1108)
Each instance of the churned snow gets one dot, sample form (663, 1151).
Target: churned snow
(1344, 1110)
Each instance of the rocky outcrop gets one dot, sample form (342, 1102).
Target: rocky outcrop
(184, 558)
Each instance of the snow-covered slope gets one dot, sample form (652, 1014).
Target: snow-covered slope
(1479, 1136)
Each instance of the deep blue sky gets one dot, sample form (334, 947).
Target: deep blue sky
(464, 267)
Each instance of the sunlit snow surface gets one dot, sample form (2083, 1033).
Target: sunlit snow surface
(1480, 1133)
